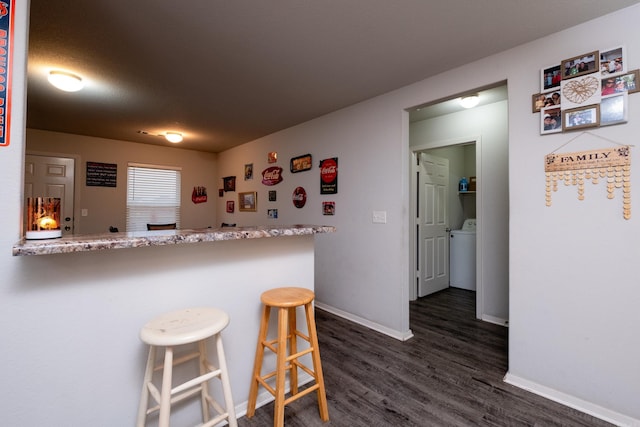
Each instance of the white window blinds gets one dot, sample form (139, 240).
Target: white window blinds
(153, 196)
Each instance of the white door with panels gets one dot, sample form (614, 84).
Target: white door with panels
(433, 239)
(46, 176)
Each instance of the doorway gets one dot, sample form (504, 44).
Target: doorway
(439, 130)
(46, 176)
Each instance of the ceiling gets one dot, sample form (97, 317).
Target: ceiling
(225, 72)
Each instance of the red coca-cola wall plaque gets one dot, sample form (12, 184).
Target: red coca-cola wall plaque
(299, 197)
(329, 176)
(272, 175)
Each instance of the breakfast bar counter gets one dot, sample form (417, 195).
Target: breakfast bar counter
(85, 243)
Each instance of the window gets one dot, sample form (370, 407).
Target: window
(153, 196)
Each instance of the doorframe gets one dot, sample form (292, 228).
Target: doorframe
(413, 151)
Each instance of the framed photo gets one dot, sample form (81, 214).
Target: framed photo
(544, 100)
(300, 163)
(229, 183)
(613, 61)
(579, 118)
(230, 206)
(550, 78)
(248, 201)
(622, 83)
(581, 65)
(613, 109)
(248, 171)
(272, 195)
(550, 120)
(328, 208)
(272, 157)
(272, 213)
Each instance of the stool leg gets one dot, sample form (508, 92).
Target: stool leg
(317, 366)
(293, 349)
(144, 398)
(226, 383)
(281, 362)
(257, 364)
(165, 395)
(204, 392)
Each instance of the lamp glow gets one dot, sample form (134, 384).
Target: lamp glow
(174, 137)
(469, 101)
(65, 81)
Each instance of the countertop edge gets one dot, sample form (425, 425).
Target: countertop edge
(109, 241)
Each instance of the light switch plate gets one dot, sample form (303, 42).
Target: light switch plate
(84, 212)
(379, 217)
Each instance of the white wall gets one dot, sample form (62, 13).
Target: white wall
(107, 205)
(573, 267)
(571, 309)
(487, 124)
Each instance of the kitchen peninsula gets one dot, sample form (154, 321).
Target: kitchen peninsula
(159, 238)
(99, 290)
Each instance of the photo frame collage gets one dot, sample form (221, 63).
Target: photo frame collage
(588, 90)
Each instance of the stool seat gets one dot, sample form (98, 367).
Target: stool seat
(184, 326)
(288, 356)
(185, 329)
(287, 297)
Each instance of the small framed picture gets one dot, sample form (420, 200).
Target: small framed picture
(229, 183)
(272, 157)
(544, 100)
(248, 171)
(613, 61)
(613, 109)
(300, 163)
(550, 78)
(230, 206)
(272, 195)
(272, 213)
(583, 117)
(581, 91)
(622, 83)
(550, 120)
(328, 208)
(581, 65)
(248, 201)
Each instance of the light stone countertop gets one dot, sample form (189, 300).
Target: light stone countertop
(96, 242)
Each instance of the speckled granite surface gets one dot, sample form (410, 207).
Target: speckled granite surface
(95, 242)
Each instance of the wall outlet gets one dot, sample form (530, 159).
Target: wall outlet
(379, 217)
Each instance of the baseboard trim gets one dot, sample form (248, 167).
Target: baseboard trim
(495, 320)
(572, 402)
(402, 336)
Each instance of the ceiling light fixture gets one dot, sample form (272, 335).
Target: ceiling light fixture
(174, 137)
(65, 81)
(469, 101)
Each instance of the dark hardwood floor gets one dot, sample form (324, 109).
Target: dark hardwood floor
(449, 374)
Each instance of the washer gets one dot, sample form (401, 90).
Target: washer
(462, 256)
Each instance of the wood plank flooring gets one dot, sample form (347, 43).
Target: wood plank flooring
(449, 374)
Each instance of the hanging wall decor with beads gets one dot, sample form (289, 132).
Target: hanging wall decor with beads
(611, 165)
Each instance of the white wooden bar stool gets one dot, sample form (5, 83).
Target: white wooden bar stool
(286, 300)
(189, 326)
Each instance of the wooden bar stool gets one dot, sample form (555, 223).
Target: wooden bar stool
(286, 300)
(190, 326)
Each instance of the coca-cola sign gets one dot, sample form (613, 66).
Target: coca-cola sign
(299, 197)
(272, 175)
(329, 176)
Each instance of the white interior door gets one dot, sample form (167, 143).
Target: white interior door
(433, 239)
(52, 177)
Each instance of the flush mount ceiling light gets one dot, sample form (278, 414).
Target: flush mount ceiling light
(469, 101)
(66, 81)
(174, 137)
